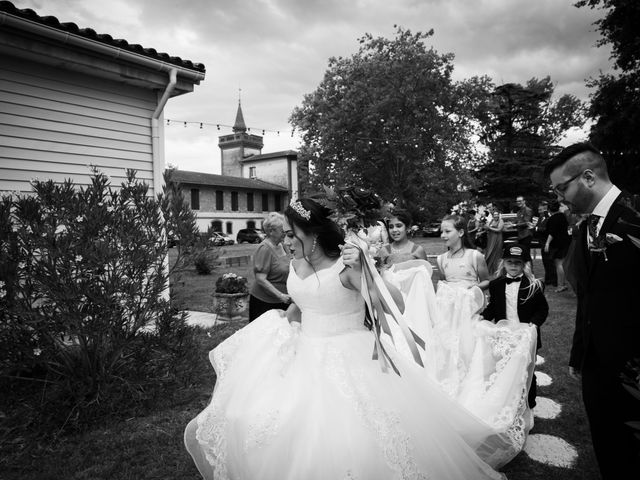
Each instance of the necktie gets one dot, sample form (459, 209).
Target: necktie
(593, 226)
(515, 279)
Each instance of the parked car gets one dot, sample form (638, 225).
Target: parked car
(432, 230)
(219, 239)
(510, 232)
(250, 235)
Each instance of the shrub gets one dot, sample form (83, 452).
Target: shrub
(84, 299)
(201, 262)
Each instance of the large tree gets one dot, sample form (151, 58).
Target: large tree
(520, 129)
(615, 104)
(390, 118)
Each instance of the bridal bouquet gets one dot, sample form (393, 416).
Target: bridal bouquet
(358, 211)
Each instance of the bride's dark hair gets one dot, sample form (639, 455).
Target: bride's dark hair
(329, 235)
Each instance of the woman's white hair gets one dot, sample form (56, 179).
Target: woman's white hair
(272, 221)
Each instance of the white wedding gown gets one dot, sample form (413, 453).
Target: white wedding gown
(306, 401)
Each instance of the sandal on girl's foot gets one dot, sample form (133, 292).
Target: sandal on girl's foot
(560, 289)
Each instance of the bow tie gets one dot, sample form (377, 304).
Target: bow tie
(511, 280)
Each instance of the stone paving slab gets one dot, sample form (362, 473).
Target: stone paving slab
(201, 319)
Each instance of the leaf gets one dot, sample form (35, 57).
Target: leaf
(633, 391)
(634, 240)
(635, 424)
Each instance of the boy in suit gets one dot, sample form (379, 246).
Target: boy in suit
(516, 295)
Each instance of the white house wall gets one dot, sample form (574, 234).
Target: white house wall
(273, 171)
(55, 124)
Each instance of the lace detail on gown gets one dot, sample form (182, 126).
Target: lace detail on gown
(384, 424)
(212, 422)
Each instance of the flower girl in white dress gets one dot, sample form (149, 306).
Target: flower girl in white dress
(298, 396)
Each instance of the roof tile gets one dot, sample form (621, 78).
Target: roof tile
(200, 178)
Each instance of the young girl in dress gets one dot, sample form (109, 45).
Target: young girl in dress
(516, 295)
(462, 264)
(401, 248)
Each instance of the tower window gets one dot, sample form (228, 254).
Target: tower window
(252, 172)
(195, 199)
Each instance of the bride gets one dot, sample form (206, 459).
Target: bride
(298, 396)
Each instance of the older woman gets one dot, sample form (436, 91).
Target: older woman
(271, 268)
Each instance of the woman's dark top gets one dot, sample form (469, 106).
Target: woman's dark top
(558, 228)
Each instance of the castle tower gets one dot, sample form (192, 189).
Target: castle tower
(237, 146)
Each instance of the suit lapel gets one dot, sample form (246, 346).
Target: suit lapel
(522, 291)
(501, 299)
(581, 255)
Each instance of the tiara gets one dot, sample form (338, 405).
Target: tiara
(300, 210)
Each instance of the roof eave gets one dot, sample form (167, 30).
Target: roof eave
(48, 45)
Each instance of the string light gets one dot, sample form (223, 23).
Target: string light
(497, 150)
(220, 126)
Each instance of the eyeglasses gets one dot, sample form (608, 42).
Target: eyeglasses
(562, 187)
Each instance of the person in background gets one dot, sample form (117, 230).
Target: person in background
(557, 242)
(400, 249)
(493, 253)
(271, 269)
(524, 218)
(471, 228)
(606, 266)
(481, 234)
(550, 275)
(516, 295)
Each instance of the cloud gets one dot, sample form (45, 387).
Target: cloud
(276, 51)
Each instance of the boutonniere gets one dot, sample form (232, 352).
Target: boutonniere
(601, 242)
(611, 238)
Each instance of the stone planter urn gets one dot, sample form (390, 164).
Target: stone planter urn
(231, 306)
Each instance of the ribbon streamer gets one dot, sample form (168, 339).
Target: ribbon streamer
(378, 299)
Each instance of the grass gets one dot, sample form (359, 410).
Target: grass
(150, 446)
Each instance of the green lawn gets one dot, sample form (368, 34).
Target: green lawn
(150, 446)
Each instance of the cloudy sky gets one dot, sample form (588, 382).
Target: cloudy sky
(276, 51)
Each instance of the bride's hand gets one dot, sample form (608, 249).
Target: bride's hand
(293, 313)
(351, 256)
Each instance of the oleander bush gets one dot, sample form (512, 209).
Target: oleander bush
(85, 310)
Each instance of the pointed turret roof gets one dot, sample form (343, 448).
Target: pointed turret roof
(239, 125)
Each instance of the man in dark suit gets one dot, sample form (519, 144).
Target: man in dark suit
(606, 265)
(517, 295)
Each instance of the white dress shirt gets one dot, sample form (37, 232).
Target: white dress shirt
(511, 297)
(603, 207)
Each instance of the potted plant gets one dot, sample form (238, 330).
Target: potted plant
(231, 297)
